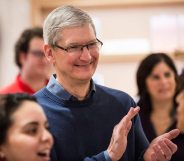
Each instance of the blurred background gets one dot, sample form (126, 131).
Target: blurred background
(129, 29)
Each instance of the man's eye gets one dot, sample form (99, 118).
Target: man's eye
(73, 47)
(91, 45)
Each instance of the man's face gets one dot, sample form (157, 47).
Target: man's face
(75, 66)
(35, 63)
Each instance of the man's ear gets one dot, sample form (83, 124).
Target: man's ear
(22, 58)
(49, 53)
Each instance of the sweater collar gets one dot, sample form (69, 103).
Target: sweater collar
(57, 89)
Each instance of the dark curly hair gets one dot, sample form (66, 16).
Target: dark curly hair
(22, 44)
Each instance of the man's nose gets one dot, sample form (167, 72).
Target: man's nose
(85, 53)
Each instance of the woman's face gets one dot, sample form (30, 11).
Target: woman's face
(161, 83)
(180, 111)
(28, 138)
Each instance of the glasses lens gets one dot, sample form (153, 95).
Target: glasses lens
(95, 46)
(75, 49)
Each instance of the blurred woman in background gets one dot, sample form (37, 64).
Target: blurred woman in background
(156, 81)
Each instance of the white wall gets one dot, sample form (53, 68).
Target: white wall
(119, 75)
(15, 17)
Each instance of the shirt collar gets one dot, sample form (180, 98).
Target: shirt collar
(57, 89)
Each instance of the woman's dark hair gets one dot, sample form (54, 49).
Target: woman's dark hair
(180, 86)
(22, 44)
(182, 73)
(144, 70)
(9, 103)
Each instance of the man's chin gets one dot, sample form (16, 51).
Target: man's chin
(84, 79)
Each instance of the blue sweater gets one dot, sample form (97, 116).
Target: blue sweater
(82, 129)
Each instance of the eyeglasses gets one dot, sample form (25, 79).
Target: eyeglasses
(37, 53)
(92, 47)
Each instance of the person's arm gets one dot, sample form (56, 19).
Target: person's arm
(98, 157)
(162, 148)
(118, 141)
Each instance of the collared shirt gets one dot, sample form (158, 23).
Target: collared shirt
(57, 89)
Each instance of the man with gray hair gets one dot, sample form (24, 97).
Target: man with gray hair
(90, 122)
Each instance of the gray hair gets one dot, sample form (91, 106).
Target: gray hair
(63, 17)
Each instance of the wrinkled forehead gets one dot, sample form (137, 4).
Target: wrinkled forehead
(75, 32)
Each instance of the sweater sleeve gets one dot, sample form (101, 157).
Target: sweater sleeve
(98, 157)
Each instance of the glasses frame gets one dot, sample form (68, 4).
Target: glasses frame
(82, 46)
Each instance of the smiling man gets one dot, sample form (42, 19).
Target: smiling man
(88, 121)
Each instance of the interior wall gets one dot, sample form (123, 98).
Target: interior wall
(119, 75)
(14, 18)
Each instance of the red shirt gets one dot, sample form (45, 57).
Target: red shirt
(18, 86)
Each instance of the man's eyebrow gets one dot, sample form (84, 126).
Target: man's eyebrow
(76, 43)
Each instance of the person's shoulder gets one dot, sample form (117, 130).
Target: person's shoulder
(40, 92)
(11, 88)
(114, 92)
(118, 98)
(42, 96)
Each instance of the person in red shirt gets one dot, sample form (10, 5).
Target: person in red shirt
(29, 57)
